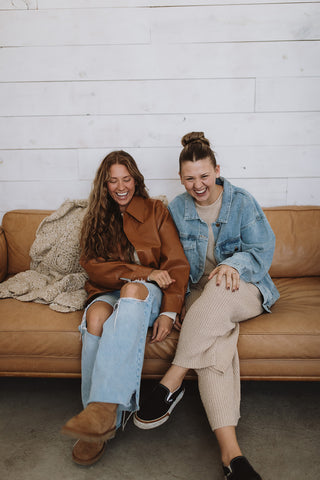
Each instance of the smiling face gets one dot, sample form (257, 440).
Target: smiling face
(199, 180)
(121, 185)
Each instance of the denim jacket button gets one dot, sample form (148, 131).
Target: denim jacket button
(236, 249)
(217, 224)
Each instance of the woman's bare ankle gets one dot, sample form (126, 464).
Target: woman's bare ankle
(226, 459)
(170, 386)
(174, 378)
(228, 444)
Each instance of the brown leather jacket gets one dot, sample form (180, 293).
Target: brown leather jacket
(149, 227)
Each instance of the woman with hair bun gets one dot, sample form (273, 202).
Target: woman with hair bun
(138, 275)
(229, 245)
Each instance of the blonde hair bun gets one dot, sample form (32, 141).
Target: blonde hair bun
(194, 137)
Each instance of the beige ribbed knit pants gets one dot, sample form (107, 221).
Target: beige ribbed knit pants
(208, 344)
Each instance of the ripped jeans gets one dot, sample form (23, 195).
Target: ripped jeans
(111, 365)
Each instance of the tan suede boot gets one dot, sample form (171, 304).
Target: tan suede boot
(87, 453)
(96, 423)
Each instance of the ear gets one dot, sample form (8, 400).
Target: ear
(180, 178)
(217, 171)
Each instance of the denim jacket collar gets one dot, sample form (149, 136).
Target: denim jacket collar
(190, 212)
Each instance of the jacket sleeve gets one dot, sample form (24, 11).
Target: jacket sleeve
(174, 261)
(256, 247)
(168, 255)
(112, 275)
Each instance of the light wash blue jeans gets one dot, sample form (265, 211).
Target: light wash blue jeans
(111, 365)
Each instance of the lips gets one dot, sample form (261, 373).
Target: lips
(200, 192)
(122, 195)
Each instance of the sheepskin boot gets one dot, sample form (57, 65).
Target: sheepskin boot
(96, 423)
(87, 453)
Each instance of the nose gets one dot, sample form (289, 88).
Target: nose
(121, 185)
(197, 183)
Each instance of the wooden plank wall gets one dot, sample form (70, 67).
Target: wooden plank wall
(80, 78)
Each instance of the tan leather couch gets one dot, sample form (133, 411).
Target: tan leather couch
(36, 341)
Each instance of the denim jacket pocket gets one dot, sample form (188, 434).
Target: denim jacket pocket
(187, 243)
(229, 247)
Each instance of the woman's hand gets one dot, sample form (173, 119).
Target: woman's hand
(231, 274)
(162, 278)
(161, 328)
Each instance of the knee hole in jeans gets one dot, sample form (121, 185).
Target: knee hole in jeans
(134, 290)
(96, 315)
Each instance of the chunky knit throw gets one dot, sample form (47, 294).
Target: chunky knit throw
(55, 277)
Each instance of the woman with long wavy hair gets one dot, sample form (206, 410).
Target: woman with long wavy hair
(137, 278)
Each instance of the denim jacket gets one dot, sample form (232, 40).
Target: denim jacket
(243, 237)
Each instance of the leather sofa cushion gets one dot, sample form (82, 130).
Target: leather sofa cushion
(3, 255)
(45, 341)
(40, 332)
(297, 252)
(20, 229)
(292, 330)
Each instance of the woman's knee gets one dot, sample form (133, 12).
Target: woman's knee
(96, 315)
(134, 290)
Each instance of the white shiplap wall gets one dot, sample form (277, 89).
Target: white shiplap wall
(80, 78)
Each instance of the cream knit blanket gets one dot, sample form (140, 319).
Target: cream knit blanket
(55, 277)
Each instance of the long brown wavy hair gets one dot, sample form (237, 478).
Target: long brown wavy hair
(102, 232)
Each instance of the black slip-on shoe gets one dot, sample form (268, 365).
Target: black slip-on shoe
(156, 409)
(240, 469)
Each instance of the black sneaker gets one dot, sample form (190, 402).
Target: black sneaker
(240, 469)
(157, 408)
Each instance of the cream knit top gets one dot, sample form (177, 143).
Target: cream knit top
(209, 214)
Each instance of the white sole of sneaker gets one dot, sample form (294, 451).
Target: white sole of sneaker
(148, 425)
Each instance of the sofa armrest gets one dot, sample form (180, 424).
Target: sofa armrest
(3, 255)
